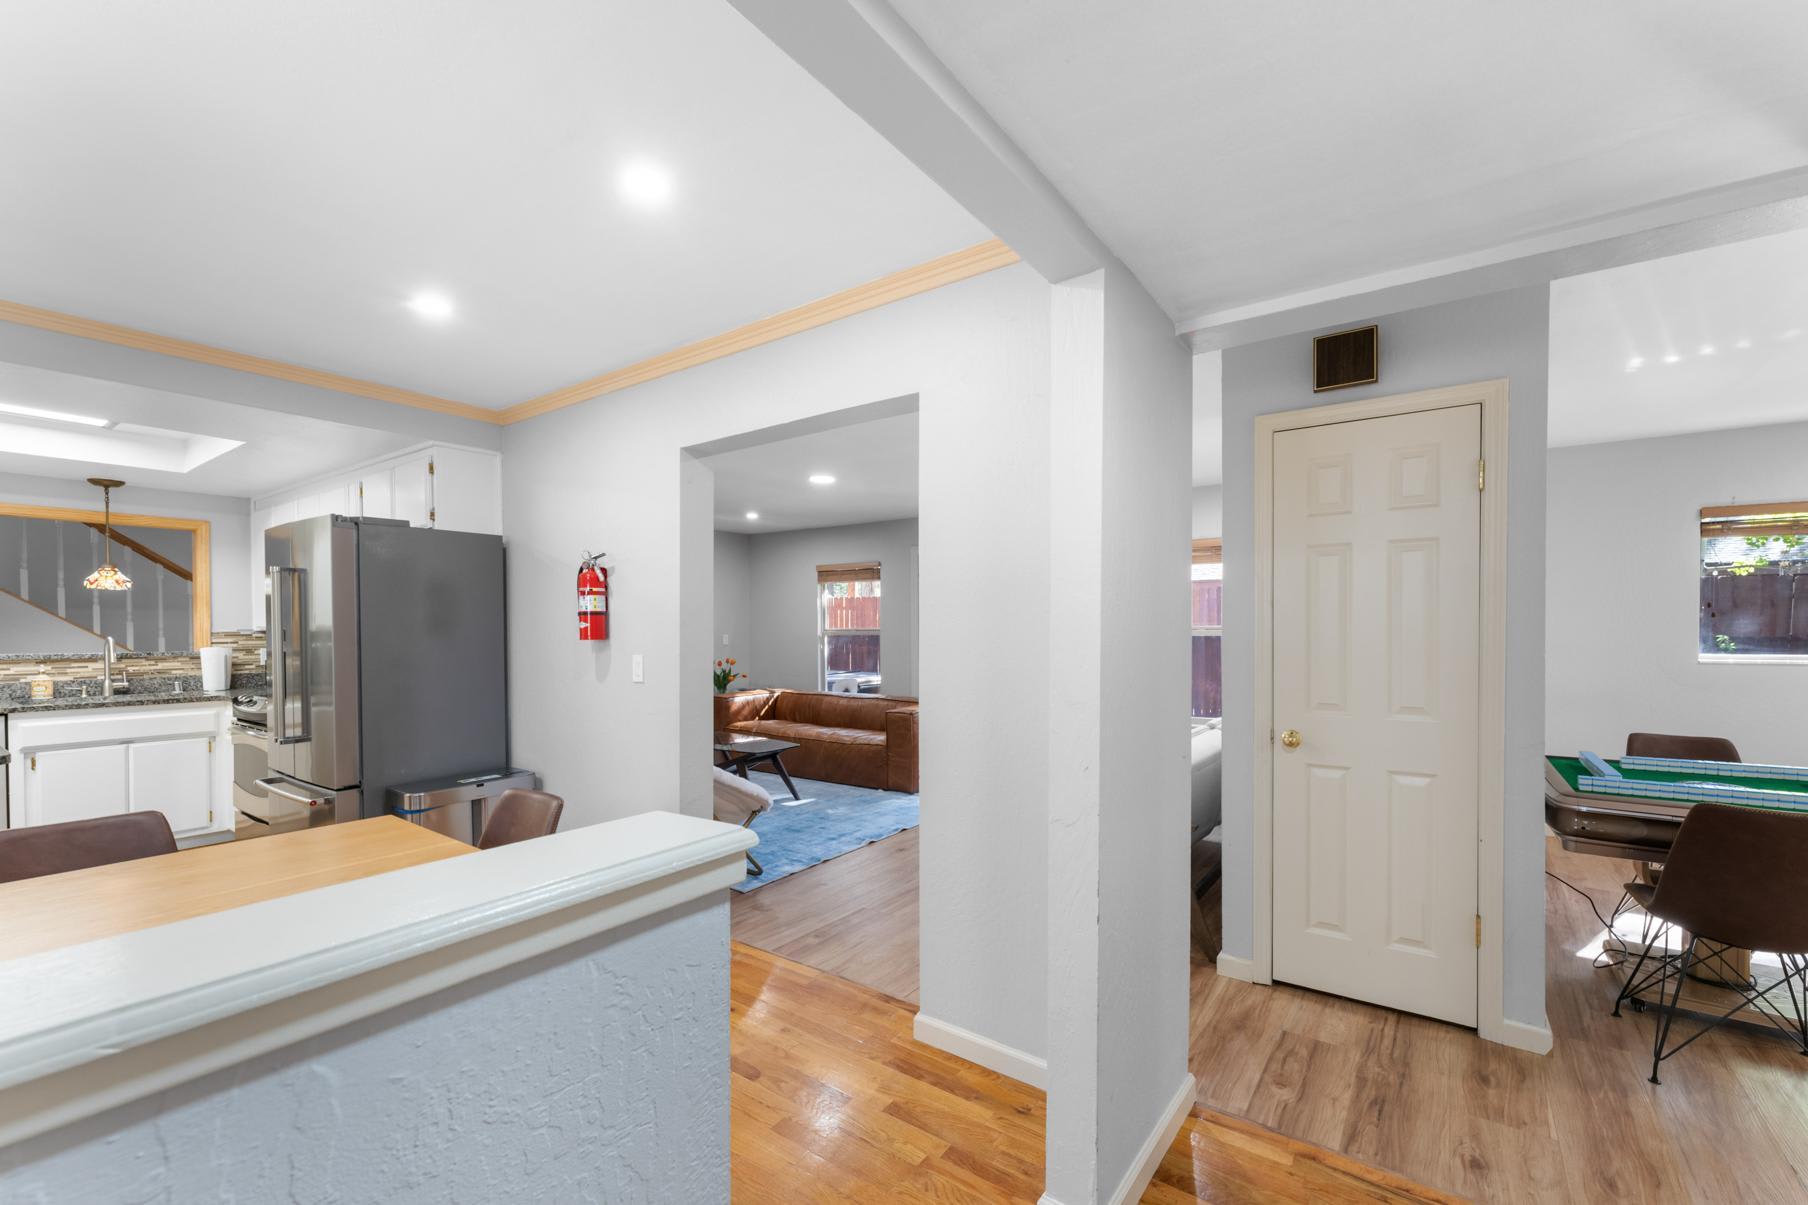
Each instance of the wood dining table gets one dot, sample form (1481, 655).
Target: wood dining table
(103, 901)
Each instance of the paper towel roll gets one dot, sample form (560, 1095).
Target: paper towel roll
(216, 664)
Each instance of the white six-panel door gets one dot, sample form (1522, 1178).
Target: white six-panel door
(1376, 632)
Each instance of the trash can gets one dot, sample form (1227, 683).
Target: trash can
(458, 806)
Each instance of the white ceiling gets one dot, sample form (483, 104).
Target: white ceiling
(874, 465)
(1699, 308)
(276, 450)
(1237, 152)
(278, 178)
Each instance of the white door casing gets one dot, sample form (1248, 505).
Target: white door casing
(1376, 656)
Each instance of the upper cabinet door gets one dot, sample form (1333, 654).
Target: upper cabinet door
(174, 777)
(335, 500)
(73, 784)
(412, 490)
(376, 494)
(467, 490)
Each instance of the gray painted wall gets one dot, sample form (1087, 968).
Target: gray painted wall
(598, 1072)
(733, 633)
(1499, 335)
(1208, 512)
(782, 588)
(1621, 649)
(612, 474)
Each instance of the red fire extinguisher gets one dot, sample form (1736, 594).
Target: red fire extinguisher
(593, 598)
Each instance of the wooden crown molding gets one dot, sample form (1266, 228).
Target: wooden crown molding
(201, 353)
(945, 270)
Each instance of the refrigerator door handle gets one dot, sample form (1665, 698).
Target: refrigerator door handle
(287, 625)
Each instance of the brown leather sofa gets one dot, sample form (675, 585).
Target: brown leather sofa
(860, 740)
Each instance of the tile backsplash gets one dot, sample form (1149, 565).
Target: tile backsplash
(244, 645)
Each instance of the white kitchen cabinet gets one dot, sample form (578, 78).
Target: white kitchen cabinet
(376, 494)
(74, 784)
(333, 500)
(433, 485)
(411, 486)
(173, 758)
(467, 491)
(174, 777)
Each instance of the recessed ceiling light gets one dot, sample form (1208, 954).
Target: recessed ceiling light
(1672, 358)
(644, 182)
(1634, 364)
(1794, 332)
(822, 479)
(58, 416)
(1743, 344)
(753, 514)
(434, 307)
(1707, 349)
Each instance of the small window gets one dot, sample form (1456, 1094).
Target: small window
(1208, 628)
(1754, 582)
(848, 620)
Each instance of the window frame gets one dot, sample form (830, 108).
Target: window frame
(1731, 519)
(827, 575)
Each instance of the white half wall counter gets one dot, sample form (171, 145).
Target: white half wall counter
(541, 1021)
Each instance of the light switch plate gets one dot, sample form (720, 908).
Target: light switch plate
(640, 673)
(724, 639)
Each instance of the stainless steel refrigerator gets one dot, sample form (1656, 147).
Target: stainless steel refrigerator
(387, 660)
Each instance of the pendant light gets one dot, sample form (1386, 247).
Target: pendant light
(108, 576)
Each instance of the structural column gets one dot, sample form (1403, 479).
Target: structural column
(1120, 461)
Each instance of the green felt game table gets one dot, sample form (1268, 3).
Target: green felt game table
(1621, 826)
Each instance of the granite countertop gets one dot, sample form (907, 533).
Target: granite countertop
(123, 699)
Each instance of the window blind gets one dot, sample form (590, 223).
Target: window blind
(859, 571)
(1755, 519)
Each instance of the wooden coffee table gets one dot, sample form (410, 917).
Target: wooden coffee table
(740, 752)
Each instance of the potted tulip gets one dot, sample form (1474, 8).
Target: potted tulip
(726, 674)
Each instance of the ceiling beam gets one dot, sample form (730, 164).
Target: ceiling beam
(873, 62)
(201, 353)
(1749, 209)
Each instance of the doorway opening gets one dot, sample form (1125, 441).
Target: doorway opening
(815, 715)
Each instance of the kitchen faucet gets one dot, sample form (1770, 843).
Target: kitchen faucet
(106, 671)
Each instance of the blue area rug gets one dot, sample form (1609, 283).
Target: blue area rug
(830, 820)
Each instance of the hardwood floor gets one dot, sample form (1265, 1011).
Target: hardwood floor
(1426, 1100)
(854, 916)
(833, 1101)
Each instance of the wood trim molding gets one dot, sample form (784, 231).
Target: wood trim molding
(1208, 552)
(946, 270)
(201, 529)
(201, 353)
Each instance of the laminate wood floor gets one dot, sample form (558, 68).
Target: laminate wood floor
(833, 1101)
(1429, 1101)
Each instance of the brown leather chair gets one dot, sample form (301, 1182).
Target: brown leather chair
(521, 816)
(27, 853)
(1694, 748)
(1733, 878)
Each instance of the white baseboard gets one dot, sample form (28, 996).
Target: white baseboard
(975, 1048)
(1136, 1180)
(1535, 1038)
(1232, 967)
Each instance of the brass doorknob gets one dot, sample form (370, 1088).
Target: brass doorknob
(1291, 738)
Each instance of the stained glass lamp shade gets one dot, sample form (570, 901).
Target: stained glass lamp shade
(108, 576)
